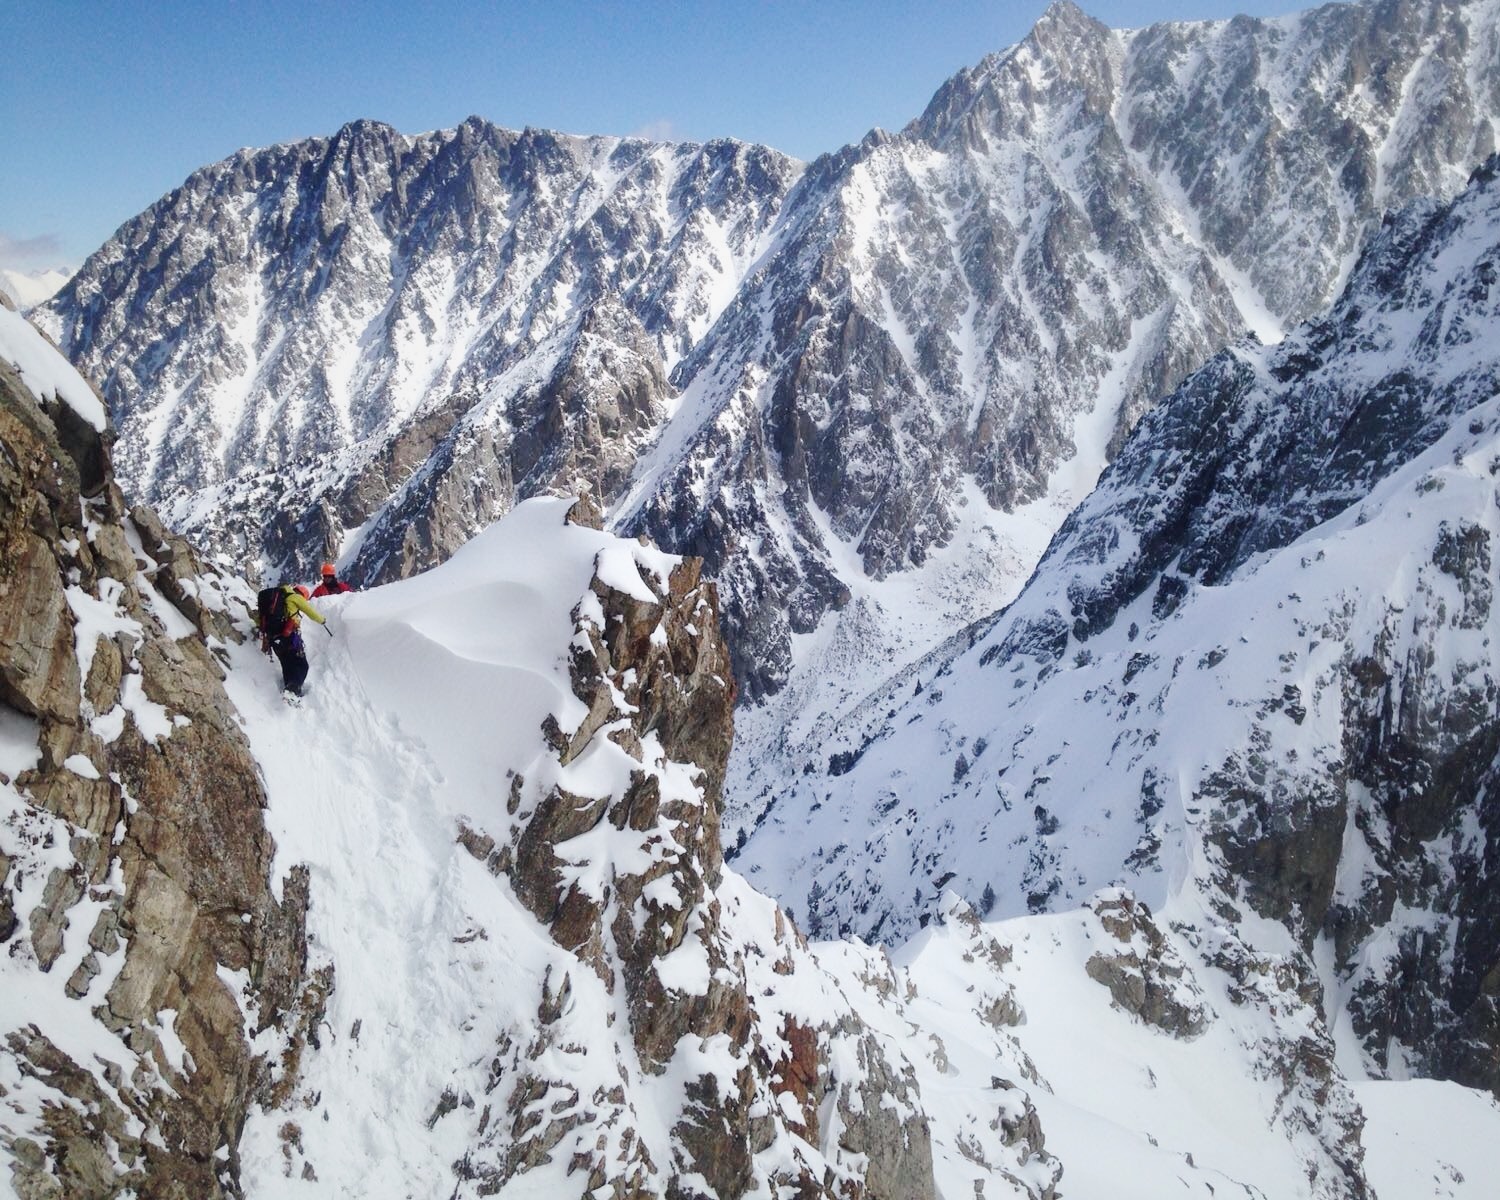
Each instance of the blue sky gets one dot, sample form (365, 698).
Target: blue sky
(106, 106)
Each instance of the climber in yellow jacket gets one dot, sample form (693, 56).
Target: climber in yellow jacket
(281, 612)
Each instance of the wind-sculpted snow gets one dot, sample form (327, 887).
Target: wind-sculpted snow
(367, 347)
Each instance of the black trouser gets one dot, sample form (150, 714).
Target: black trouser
(293, 661)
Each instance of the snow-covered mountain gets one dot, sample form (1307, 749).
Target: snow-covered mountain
(339, 319)
(861, 391)
(1251, 680)
(27, 289)
(951, 314)
(504, 956)
(1191, 842)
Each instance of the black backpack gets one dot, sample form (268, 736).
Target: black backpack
(271, 604)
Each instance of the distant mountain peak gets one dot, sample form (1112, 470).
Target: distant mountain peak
(1064, 18)
(30, 288)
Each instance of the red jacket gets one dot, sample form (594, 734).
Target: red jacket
(331, 587)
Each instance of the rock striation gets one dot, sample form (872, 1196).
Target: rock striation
(156, 981)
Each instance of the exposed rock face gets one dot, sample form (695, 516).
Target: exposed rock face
(141, 931)
(648, 671)
(409, 334)
(1145, 976)
(670, 937)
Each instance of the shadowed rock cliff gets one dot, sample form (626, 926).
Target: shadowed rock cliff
(156, 982)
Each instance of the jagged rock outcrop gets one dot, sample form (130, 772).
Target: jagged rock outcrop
(1145, 975)
(631, 882)
(145, 945)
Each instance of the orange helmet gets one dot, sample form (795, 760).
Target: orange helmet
(328, 570)
(303, 592)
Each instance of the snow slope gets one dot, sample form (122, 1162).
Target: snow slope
(1264, 519)
(429, 692)
(1135, 1114)
(455, 1013)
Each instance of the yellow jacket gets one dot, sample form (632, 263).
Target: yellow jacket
(296, 606)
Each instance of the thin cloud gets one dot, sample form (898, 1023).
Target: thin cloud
(661, 130)
(25, 254)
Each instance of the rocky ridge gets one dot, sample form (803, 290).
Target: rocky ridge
(166, 1008)
(800, 1093)
(348, 310)
(561, 987)
(655, 677)
(156, 983)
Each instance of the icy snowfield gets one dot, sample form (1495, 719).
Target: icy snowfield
(432, 689)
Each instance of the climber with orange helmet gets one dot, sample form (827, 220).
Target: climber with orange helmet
(281, 611)
(332, 585)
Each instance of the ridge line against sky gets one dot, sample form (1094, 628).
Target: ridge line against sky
(105, 108)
